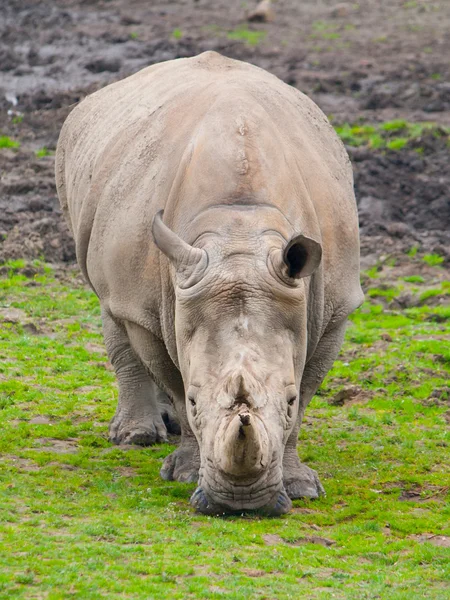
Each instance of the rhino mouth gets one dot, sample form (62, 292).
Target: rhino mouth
(274, 505)
(216, 495)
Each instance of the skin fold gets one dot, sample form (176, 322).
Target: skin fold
(213, 212)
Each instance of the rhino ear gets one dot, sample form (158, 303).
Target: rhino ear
(190, 263)
(301, 256)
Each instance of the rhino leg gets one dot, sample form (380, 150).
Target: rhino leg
(138, 419)
(301, 481)
(183, 464)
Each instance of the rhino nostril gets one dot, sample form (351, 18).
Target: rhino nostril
(245, 419)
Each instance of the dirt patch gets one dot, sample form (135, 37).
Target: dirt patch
(23, 464)
(442, 541)
(349, 395)
(40, 420)
(415, 493)
(253, 572)
(126, 472)
(373, 61)
(68, 446)
(271, 539)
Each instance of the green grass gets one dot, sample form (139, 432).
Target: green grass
(82, 519)
(42, 152)
(177, 34)
(433, 259)
(391, 135)
(7, 142)
(250, 37)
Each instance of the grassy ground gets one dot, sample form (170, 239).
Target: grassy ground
(82, 519)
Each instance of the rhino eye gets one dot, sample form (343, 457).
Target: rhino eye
(192, 400)
(292, 400)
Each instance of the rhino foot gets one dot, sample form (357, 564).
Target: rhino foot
(182, 465)
(303, 482)
(143, 433)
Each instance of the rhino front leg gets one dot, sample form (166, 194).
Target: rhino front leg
(301, 481)
(138, 419)
(183, 464)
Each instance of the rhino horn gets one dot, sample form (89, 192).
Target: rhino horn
(190, 263)
(243, 449)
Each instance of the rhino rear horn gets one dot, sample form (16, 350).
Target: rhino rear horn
(190, 263)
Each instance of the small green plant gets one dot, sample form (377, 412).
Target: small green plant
(177, 34)
(433, 259)
(242, 34)
(397, 143)
(395, 125)
(134, 35)
(17, 119)
(323, 26)
(414, 279)
(380, 40)
(383, 136)
(330, 35)
(25, 578)
(43, 152)
(436, 76)
(7, 142)
(413, 251)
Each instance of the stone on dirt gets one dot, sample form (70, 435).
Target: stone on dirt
(263, 13)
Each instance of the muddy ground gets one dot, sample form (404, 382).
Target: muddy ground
(365, 62)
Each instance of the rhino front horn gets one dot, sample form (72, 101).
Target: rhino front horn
(243, 447)
(190, 263)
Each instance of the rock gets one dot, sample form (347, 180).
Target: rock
(129, 19)
(12, 315)
(263, 13)
(40, 420)
(343, 395)
(436, 540)
(271, 539)
(399, 230)
(99, 65)
(406, 300)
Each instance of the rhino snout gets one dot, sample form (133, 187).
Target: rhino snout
(242, 447)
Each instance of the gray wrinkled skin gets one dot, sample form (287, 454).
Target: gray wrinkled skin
(213, 212)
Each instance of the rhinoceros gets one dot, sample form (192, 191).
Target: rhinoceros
(214, 216)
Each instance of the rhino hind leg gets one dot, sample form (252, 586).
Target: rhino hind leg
(300, 481)
(138, 419)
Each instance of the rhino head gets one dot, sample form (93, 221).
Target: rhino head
(241, 333)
